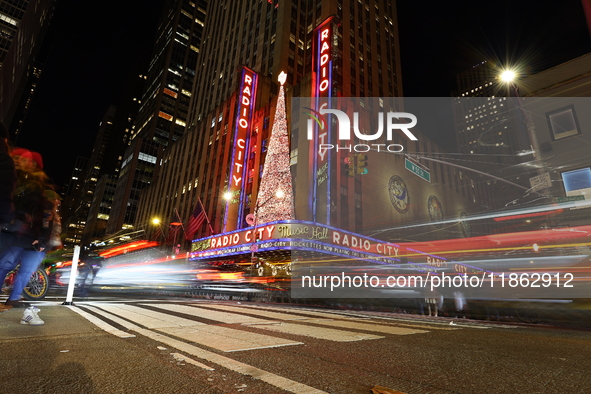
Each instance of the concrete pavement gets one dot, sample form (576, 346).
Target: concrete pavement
(71, 355)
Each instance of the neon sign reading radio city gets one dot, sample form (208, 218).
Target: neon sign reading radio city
(244, 111)
(324, 60)
(344, 124)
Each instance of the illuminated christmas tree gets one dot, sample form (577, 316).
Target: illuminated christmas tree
(275, 198)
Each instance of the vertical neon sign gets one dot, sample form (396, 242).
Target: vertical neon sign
(238, 170)
(322, 92)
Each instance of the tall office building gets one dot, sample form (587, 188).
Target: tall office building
(100, 209)
(25, 42)
(483, 107)
(492, 131)
(11, 14)
(163, 114)
(71, 228)
(85, 183)
(246, 45)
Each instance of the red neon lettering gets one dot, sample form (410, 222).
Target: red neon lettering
(324, 34)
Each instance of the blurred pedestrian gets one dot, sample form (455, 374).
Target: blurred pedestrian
(460, 304)
(32, 227)
(7, 179)
(7, 186)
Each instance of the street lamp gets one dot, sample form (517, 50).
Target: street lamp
(509, 77)
(158, 233)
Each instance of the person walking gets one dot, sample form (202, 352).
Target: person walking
(31, 230)
(7, 186)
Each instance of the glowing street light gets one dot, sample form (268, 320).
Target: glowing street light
(156, 221)
(227, 196)
(508, 76)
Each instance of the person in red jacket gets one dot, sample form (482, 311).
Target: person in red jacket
(32, 228)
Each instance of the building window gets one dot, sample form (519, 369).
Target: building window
(563, 123)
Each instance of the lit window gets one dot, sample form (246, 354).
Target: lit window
(170, 93)
(164, 115)
(147, 158)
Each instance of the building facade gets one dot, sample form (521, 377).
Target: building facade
(11, 14)
(25, 41)
(264, 38)
(163, 113)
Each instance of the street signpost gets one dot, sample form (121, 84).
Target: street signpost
(540, 182)
(417, 169)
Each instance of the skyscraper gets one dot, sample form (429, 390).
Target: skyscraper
(163, 114)
(71, 227)
(25, 41)
(11, 14)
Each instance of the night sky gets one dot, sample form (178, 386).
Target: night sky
(100, 44)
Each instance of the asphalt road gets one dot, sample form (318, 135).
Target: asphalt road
(152, 345)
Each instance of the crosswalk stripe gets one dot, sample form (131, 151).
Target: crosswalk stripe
(287, 328)
(328, 334)
(227, 339)
(222, 338)
(432, 325)
(348, 316)
(148, 318)
(237, 366)
(285, 316)
(224, 317)
(371, 327)
(269, 314)
(299, 311)
(101, 324)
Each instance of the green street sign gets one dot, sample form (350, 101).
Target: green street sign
(570, 198)
(417, 170)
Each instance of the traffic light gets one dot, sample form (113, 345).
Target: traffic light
(362, 164)
(350, 166)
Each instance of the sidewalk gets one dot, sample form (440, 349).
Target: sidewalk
(68, 354)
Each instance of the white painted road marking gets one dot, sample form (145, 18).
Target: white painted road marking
(227, 339)
(224, 317)
(221, 338)
(245, 369)
(265, 313)
(101, 324)
(287, 328)
(328, 334)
